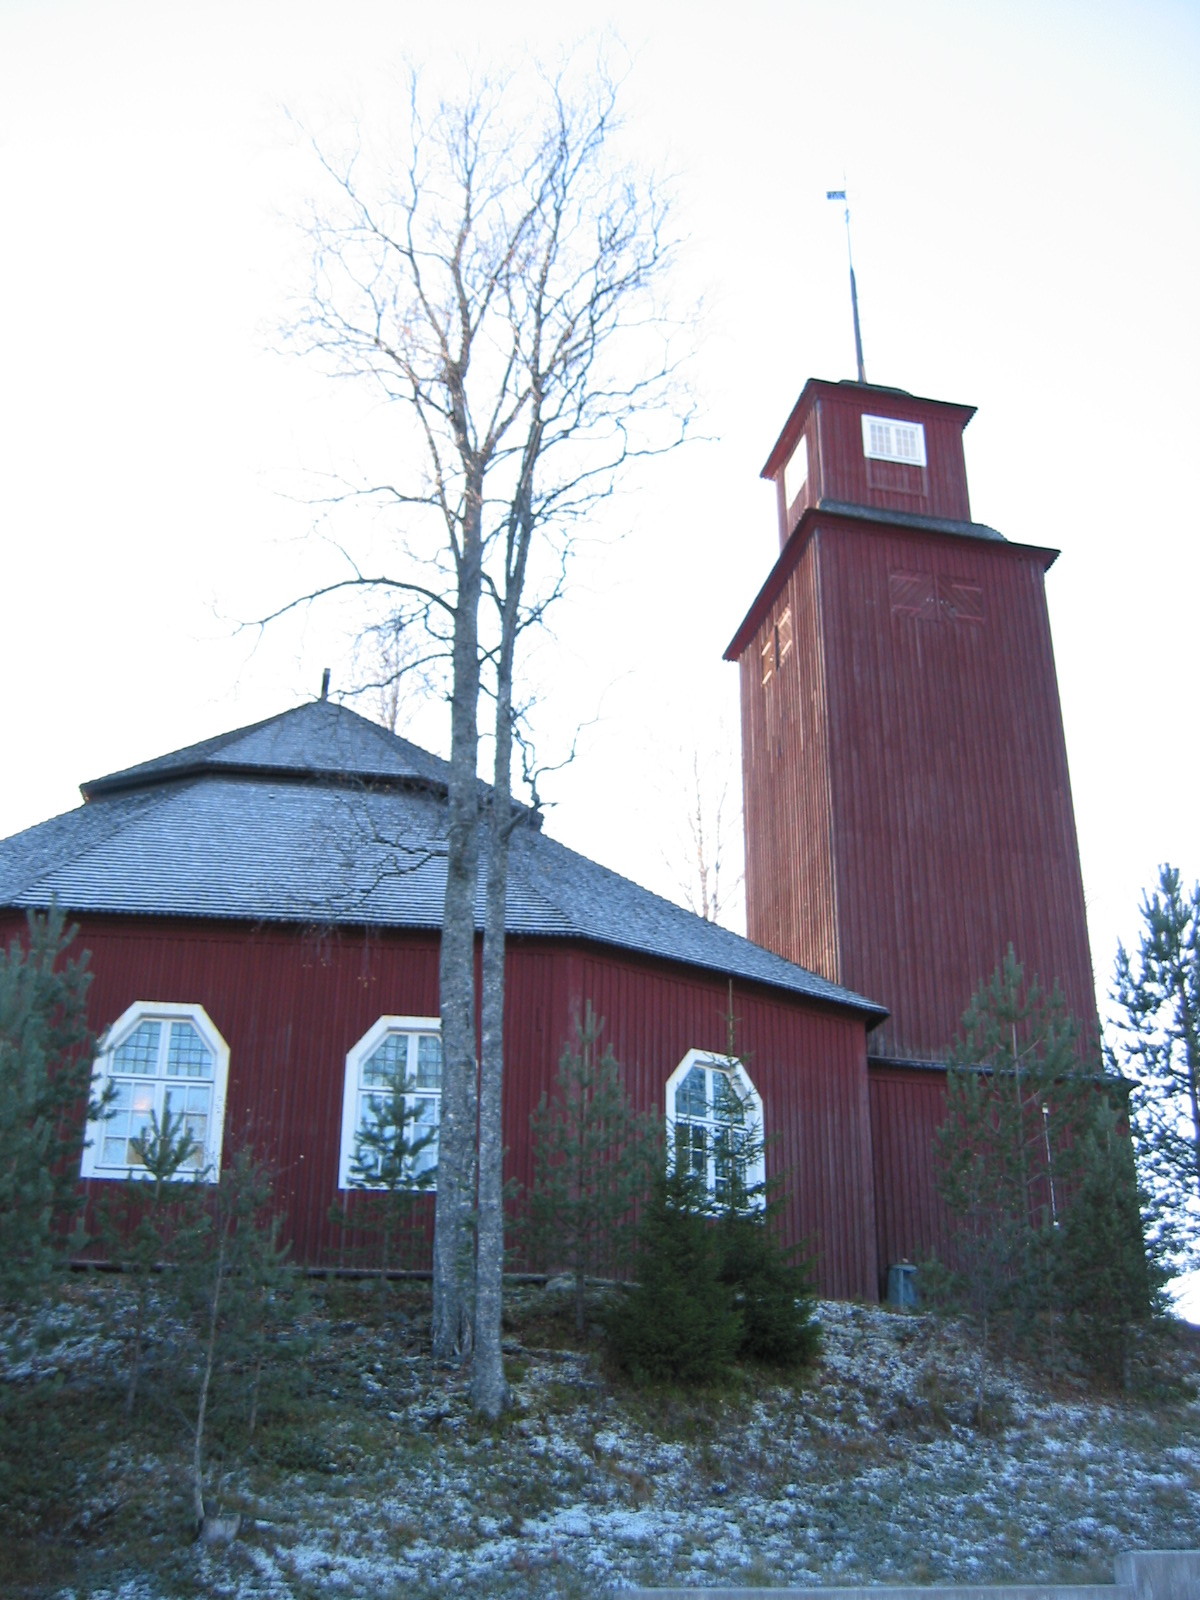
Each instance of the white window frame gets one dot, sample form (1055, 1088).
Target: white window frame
(890, 448)
(731, 1068)
(356, 1057)
(92, 1164)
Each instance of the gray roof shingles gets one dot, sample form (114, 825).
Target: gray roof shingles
(319, 816)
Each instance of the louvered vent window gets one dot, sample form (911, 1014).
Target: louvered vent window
(777, 646)
(783, 637)
(885, 439)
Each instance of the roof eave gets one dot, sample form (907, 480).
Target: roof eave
(123, 782)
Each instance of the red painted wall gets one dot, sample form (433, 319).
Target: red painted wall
(915, 759)
(291, 1002)
(907, 1106)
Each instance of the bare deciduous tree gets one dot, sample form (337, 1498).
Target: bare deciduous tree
(498, 285)
(706, 862)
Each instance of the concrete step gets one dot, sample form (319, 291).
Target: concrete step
(1138, 1575)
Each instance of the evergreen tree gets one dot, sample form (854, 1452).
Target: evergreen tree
(145, 1217)
(1105, 1279)
(45, 1077)
(1018, 1100)
(237, 1293)
(1158, 1046)
(594, 1157)
(771, 1291)
(773, 1294)
(394, 1161)
(679, 1325)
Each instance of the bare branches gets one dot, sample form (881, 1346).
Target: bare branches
(498, 286)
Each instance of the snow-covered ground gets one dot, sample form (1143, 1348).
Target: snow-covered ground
(1185, 1295)
(868, 1469)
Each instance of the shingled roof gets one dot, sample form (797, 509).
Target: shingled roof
(313, 741)
(319, 816)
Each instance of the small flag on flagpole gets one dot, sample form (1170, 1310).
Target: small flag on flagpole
(840, 194)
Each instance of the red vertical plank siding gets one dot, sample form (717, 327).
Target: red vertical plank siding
(939, 489)
(789, 827)
(899, 843)
(954, 828)
(907, 1106)
(808, 1065)
(290, 1003)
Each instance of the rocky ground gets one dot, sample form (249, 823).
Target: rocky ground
(370, 1477)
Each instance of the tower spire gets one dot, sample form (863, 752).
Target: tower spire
(840, 194)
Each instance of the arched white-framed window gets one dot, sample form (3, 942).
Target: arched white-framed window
(397, 1054)
(715, 1124)
(158, 1058)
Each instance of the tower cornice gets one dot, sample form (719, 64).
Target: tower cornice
(836, 515)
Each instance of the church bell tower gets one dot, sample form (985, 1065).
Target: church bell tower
(907, 803)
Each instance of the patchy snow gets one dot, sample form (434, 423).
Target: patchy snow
(869, 1469)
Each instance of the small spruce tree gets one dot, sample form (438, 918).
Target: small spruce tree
(594, 1157)
(679, 1325)
(1018, 1099)
(772, 1292)
(388, 1169)
(1157, 1040)
(45, 1078)
(1106, 1281)
(237, 1292)
(144, 1219)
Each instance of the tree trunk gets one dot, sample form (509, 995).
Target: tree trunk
(580, 1302)
(489, 1392)
(206, 1376)
(453, 1246)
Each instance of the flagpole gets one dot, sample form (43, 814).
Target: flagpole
(840, 194)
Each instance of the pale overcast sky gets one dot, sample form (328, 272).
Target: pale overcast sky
(1024, 182)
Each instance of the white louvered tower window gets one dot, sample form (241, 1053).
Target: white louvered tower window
(887, 439)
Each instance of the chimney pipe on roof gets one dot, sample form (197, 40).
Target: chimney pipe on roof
(325, 684)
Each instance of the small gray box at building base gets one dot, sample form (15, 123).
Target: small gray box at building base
(902, 1286)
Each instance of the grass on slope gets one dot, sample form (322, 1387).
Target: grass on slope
(368, 1475)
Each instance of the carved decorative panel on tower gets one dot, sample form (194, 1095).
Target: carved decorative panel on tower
(907, 801)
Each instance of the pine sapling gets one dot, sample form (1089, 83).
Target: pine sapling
(394, 1161)
(679, 1324)
(143, 1221)
(45, 1078)
(1018, 1096)
(239, 1287)
(594, 1157)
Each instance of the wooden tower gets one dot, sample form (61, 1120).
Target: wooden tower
(907, 804)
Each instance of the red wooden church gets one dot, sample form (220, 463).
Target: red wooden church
(907, 803)
(262, 909)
